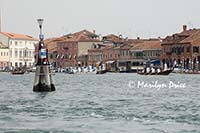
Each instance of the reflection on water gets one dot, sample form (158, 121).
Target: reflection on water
(100, 103)
(41, 95)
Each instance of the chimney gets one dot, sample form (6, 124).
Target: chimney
(94, 31)
(184, 27)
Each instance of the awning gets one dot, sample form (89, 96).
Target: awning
(155, 62)
(99, 62)
(110, 62)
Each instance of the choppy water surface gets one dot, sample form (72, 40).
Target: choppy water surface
(86, 103)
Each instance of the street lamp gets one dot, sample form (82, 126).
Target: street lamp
(43, 80)
(40, 22)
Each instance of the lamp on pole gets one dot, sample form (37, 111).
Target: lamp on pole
(40, 22)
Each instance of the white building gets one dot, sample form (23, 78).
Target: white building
(4, 56)
(21, 48)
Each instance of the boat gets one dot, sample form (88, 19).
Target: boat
(165, 72)
(161, 72)
(101, 68)
(109, 71)
(101, 72)
(18, 71)
(127, 71)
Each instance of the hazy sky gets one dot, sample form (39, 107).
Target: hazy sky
(144, 18)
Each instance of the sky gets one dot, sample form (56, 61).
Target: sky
(131, 18)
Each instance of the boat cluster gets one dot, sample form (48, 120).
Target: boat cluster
(102, 68)
(87, 69)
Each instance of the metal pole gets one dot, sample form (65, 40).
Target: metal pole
(40, 32)
(0, 20)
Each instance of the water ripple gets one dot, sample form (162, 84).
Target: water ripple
(99, 103)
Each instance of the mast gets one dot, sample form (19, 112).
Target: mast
(0, 20)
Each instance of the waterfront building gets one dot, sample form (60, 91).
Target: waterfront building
(148, 50)
(182, 49)
(128, 55)
(4, 56)
(95, 54)
(124, 61)
(75, 48)
(21, 48)
(110, 53)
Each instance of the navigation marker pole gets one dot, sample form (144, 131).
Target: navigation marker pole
(43, 80)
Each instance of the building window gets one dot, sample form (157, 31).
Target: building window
(188, 49)
(16, 65)
(51, 56)
(25, 53)
(179, 51)
(20, 54)
(183, 50)
(15, 43)
(20, 64)
(172, 50)
(196, 49)
(66, 56)
(16, 53)
(30, 54)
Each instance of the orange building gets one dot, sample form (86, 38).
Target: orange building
(71, 49)
(182, 49)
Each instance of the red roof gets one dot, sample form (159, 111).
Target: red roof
(194, 39)
(151, 44)
(179, 37)
(82, 36)
(18, 36)
(113, 38)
